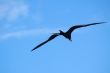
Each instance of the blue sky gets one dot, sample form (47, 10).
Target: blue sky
(26, 23)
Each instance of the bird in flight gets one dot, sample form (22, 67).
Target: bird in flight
(66, 34)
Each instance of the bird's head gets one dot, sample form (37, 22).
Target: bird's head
(61, 32)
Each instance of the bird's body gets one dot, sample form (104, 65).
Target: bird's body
(65, 34)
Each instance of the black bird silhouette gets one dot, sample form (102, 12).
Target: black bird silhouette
(65, 34)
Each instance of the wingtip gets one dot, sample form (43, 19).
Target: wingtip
(32, 50)
(102, 22)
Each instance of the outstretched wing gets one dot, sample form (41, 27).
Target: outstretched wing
(79, 26)
(49, 39)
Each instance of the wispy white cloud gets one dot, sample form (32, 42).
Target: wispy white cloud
(12, 10)
(25, 33)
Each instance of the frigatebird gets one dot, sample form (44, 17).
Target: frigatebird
(65, 34)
